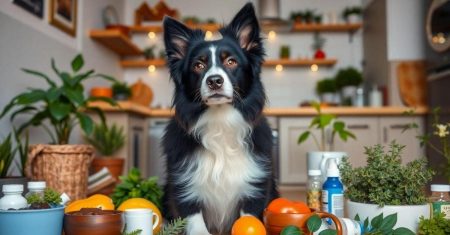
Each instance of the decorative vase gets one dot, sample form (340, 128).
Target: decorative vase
(319, 54)
(407, 215)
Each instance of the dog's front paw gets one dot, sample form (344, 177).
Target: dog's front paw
(196, 225)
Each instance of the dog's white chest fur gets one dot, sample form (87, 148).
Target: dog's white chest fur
(219, 174)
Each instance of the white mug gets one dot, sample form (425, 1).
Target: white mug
(142, 218)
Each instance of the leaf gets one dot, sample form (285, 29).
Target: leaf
(316, 106)
(31, 97)
(388, 222)
(302, 138)
(77, 79)
(77, 63)
(325, 120)
(314, 223)
(59, 110)
(109, 78)
(291, 230)
(54, 67)
(104, 99)
(376, 221)
(402, 231)
(338, 126)
(53, 94)
(366, 224)
(39, 74)
(357, 218)
(22, 110)
(86, 123)
(328, 232)
(75, 96)
(66, 78)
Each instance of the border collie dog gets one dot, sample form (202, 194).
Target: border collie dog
(218, 145)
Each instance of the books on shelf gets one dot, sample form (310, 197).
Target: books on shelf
(100, 180)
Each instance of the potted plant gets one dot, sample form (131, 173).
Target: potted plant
(107, 140)
(328, 126)
(149, 52)
(317, 46)
(326, 89)
(347, 81)
(386, 186)
(352, 15)
(58, 110)
(297, 16)
(121, 91)
(308, 16)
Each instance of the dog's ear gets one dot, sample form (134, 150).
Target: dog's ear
(176, 38)
(245, 28)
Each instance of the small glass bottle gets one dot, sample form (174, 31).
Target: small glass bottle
(36, 188)
(440, 199)
(314, 188)
(12, 198)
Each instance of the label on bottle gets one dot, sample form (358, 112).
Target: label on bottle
(442, 207)
(313, 198)
(333, 202)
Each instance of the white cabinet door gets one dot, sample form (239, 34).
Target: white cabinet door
(293, 156)
(366, 131)
(392, 129)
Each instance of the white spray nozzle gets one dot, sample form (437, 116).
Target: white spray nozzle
(333, 170)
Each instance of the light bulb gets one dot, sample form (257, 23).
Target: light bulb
(279, 67)
(272, 35)
(151, 35)
(151, 68)
(314, 68)
(208, 35)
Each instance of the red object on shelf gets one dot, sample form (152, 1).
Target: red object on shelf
(319, 54)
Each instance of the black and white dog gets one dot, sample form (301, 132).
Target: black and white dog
(218, 145)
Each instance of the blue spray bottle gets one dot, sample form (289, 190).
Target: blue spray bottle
(333, 191)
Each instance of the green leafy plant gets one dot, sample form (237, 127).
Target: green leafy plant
(436, 225)
(175, 227)
(326, 85)
(52, 197)
(355, 10)
(63, 106)
(323, 122)
(313, 224)
(382, 225)
(121, 90)
(149, 52)
(133, 186)
(285, 52)
(22, 149)
(7, 152)
(106, 139)
(348, 77)
(297, 16)
(384, 180)
(135, 232)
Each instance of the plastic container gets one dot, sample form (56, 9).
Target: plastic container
(13, 198)
(349, 227)
(35, 222)
(333, 192)
(314, 189)
(36, 188)
(440, 199)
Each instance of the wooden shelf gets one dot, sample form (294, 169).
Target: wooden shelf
(142, 63)
(158, 28)
(116, 41)
(300, 62)
(298, 27)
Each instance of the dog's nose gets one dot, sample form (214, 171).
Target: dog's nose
(214, 82)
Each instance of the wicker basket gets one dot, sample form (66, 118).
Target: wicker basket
(64, 167)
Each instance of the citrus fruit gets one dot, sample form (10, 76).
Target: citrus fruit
(248, 225)
(134, 203)
(283, 205)
(95, 201)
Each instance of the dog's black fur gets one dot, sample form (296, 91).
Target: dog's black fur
(182, 144)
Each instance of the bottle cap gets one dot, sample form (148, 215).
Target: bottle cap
(440, 188)
(332, 170)
(11, 188)
(64, 198)
(314, 172)
(37, 185)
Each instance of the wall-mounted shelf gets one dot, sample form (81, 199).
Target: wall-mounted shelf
(297, 27)
(158, 28)
(116, 41)
(300, 62)
(142, 63)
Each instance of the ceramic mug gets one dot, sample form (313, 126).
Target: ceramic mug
(143, 219)
(319, 160)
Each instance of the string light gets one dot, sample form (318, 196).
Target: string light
(272, 35)
(208, 35)
(151, 68)
(314, 68)
(151, 35)
(279, 67)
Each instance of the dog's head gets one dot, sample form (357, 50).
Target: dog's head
(218, 71)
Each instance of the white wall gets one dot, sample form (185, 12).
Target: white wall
(285, 89)
(29, 42)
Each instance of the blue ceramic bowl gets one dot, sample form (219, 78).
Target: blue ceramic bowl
(36, 222)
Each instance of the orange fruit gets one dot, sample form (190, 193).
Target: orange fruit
(283, 205)
(95, 201)
(134, 203)
(248, 225)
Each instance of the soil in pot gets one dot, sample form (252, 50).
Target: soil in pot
(93, 221)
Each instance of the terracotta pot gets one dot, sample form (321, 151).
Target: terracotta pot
(275, 222)
(114, 165)
(93, 221)
(102, 92)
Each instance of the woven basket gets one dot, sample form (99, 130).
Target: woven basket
(64, 167)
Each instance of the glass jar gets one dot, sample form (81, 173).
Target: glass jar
(314, 189)
(440, 199)
(36, 188)
(12, 198)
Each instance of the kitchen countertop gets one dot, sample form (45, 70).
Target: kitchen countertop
(126, 106)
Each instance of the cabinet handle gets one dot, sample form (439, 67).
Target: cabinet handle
(385, 135)
(360, 126)
(399, 126)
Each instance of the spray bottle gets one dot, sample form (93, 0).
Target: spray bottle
(333, 192)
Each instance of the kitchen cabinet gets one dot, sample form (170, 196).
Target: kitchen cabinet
(369, 130)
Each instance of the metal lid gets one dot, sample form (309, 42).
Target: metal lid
(11, 188)
(37, 185)
(440, 188)
(314, 172)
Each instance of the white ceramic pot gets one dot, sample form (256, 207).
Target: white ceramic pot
(319, 160)
(353, 19)
(328, 97)
(407, 216)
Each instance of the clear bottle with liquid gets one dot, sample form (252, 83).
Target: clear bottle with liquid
(440, 199)
(314, 189)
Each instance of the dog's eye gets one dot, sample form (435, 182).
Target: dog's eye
(231, 62)
(199, 66)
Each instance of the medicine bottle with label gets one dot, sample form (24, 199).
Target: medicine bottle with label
(440, 199)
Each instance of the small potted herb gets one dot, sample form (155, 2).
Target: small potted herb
(285, 52)
(149, 53)
(347, 81)
(308, 16)
(352, 14)
(326, 89)
(297, 16)
(121, 91)
(386, 186)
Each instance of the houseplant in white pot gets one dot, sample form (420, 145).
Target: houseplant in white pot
(58, 110)
(326, 89)
(352, 15)
(386, 186)
(328, 126)
(347, 81)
